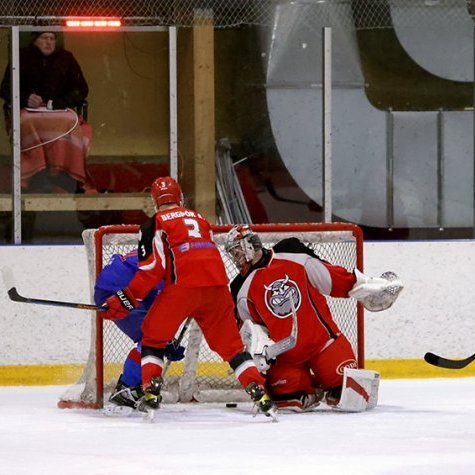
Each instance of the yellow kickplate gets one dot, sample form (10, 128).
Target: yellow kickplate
(39, 375)
(415, 368)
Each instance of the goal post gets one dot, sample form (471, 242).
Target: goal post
(202, 376)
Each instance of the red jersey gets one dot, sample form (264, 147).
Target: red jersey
(177, 244)
(264, 294)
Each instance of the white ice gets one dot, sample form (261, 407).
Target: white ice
(419, 427)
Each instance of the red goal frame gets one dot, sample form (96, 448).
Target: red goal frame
(260, 228)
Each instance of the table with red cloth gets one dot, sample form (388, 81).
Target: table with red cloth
(55, 139)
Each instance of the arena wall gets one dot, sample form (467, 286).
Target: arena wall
(49, 345)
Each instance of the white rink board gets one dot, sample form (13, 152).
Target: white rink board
(435, 311)
(39, 334)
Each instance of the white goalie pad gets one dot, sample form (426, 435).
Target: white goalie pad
(360, 390)
(376, 293)
(256, 339)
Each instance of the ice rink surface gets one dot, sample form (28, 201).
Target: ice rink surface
(419, 427)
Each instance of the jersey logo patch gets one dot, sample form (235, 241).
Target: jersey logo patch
(346, 364)
(278, 294)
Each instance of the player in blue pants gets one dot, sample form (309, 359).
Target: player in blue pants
(113, 277)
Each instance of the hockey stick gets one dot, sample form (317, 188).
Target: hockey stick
(446, 363)
(287, 343)
(273, 193)
(16, 297)
(272, 351)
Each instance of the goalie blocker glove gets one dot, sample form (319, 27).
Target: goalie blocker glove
(376, 293)
(119, 305)
(257, 341)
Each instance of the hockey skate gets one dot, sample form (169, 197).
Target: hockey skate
(262, 401)
(151, 399)
(124, 399)
(332, 396)
(301, 403)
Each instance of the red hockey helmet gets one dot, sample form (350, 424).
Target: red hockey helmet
(166, 190)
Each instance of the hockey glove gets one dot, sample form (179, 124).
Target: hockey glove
(174, 351)
(119, 305)
(257, 341)
(376, 293)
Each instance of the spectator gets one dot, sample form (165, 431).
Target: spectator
(54, 138)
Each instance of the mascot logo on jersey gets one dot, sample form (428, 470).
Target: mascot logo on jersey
(278, 295)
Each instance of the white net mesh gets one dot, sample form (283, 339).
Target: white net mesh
(227, 13)
(203, 376)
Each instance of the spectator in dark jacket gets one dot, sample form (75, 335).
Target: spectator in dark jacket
(55, 140)
(47, 73)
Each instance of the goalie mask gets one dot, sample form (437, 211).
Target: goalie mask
(241, 244)
(166, 190)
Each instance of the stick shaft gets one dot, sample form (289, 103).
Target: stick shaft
(286, 344)
(16, 297)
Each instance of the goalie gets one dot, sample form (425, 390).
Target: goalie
(288, 326)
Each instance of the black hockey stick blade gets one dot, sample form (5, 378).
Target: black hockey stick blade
(16, 297)
(446, 363)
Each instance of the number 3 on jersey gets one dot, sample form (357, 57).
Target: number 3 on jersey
(193, 227)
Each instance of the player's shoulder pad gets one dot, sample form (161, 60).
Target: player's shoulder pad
(147, 232)
(295, 246)
(236, 285)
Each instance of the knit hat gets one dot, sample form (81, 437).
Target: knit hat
(35, 34)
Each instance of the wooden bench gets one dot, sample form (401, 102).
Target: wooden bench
(80, 202)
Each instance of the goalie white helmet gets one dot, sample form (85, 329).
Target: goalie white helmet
(241, 244)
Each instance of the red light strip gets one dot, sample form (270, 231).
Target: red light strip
(91, 23)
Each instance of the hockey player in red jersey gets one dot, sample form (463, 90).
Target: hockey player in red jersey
(282, 291)
(177, 244)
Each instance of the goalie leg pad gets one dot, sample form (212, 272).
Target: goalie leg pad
(360, 390)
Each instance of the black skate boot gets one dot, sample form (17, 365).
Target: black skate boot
(262, 400)
(123, 400)
(124, 395)
(151, 399)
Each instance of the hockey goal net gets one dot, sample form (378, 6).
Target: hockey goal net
(202, 376)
